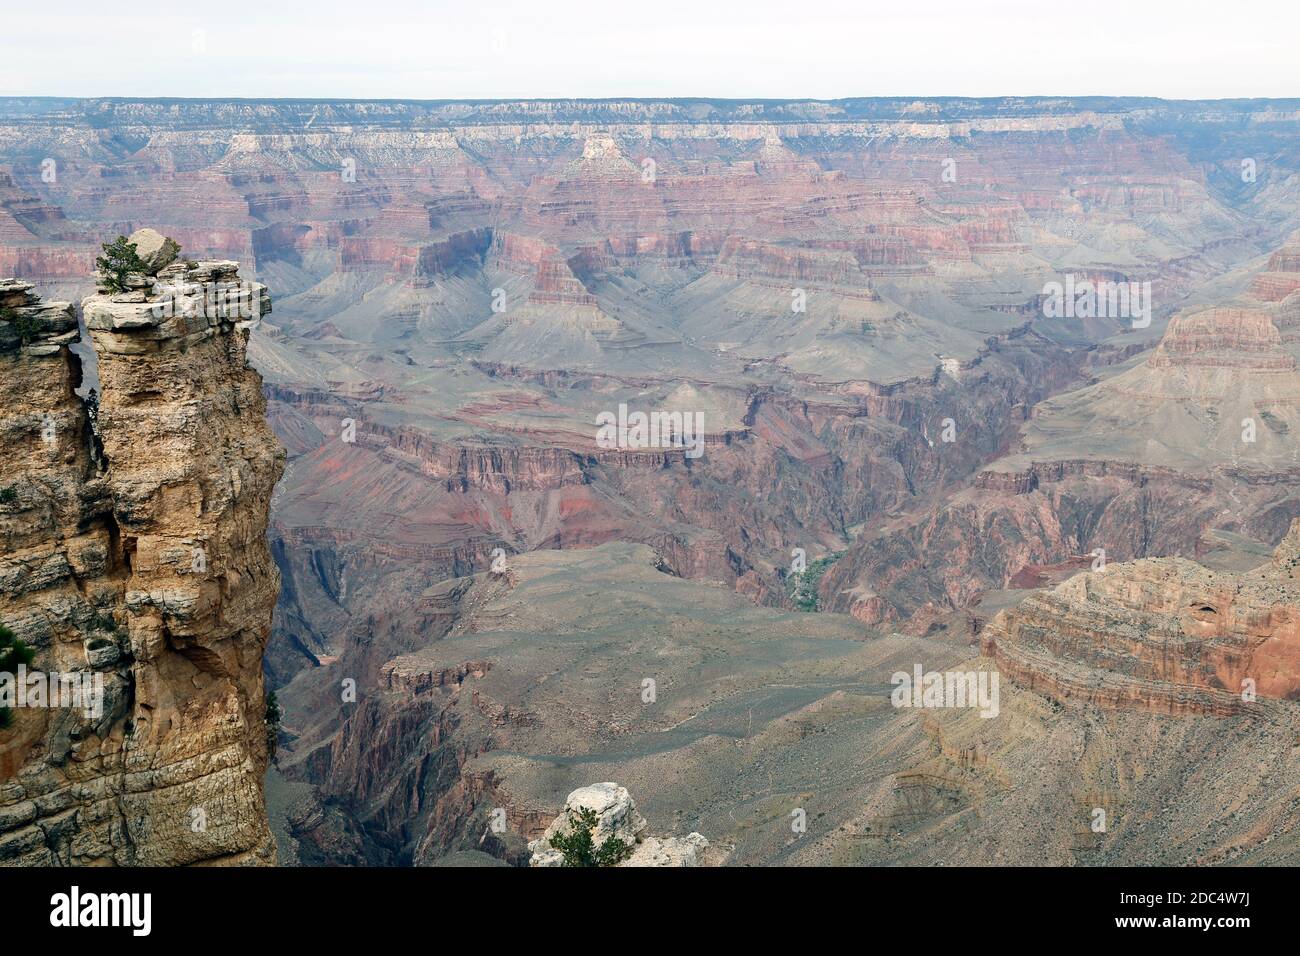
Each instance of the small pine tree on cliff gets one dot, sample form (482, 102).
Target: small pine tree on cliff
(578, 847)
(12, 653)
(119, 259)
(28, 328)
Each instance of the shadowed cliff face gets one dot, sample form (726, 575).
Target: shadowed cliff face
(134, 549)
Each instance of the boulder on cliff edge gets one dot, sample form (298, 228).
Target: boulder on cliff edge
(617, 817)
(155, 250)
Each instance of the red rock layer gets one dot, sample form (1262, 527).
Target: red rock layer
(1223, 338)
(1163, 635)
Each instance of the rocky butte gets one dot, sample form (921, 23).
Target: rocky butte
(1161, 634)
(133, 532)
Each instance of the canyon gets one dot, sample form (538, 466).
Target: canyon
(1163, 454)
(471, 588)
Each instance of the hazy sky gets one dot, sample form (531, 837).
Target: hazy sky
(561, 48)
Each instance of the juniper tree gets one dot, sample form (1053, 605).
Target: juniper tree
(120, 258)
(13, 652)
(578, 847)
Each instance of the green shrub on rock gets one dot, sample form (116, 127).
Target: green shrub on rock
(118, 261)
(578, 847)
(12, 653)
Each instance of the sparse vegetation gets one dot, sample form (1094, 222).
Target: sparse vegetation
(119, 259)
(1273, 423)
(12, 653)
(802, 588)
(8, 495)
(578, 847)
(27, 326)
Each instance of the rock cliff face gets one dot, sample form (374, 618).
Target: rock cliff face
(1163, 635)
(1282, 276)
(1223, 338)
(134, 546)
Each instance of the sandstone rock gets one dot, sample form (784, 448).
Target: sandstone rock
(111, 499)
(154, 249)
(102, 655)
(1163, 635)
(671, 851)
(48, 325)
(544, 856)
(1223, 338)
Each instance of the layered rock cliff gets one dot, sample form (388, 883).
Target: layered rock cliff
(1163, 635)
(133, 526)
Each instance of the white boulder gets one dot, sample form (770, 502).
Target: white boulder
(616, 817)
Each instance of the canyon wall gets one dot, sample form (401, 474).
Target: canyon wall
(1163, 635)
(1160, 458)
